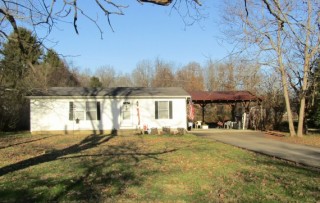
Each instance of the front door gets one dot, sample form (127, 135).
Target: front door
(126, 115)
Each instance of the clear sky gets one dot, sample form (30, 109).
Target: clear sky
(145, 32)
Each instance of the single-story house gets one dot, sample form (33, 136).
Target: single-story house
(101, 110)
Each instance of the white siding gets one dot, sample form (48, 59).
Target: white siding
(147, 112)
(53, 114)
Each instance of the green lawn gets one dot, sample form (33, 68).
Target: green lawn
(145, 168)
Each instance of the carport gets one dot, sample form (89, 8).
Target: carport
(245, 98)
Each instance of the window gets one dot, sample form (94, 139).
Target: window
(163, 109)
(126, 111)
(79, 110)
(84, 110)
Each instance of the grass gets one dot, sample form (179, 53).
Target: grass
(310, 139)
(145, 168)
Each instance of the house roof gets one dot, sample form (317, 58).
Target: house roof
(222, 96)
(110, 92)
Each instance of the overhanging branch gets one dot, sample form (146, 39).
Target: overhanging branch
(165, 2)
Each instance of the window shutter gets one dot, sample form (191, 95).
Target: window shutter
(70, 111)
(156, 110)
(170, 109)
(98, 111)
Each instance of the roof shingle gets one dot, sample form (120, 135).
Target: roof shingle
(110, 92)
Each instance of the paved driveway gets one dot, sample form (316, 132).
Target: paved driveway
(257, 142)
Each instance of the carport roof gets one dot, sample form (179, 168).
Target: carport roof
(222, 96)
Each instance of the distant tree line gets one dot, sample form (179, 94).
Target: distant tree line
(25, 68)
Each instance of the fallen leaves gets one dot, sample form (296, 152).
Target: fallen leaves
(311, 140)
(152, 168)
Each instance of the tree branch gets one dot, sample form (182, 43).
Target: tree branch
(158, 2)
(48, 12)
(267, 3)
(165, 2)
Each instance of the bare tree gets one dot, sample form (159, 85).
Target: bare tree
(210, 76)
(142, 74)
(272, 91)
(190, 77)
(220, 76)
(276, 31)
(234, 74)
(122, 80)
(216, 77)
(106, 75)
(163, 75)
(248, 76)
(47, 13)
(84, 77)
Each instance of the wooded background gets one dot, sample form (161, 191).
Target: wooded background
(276, 57)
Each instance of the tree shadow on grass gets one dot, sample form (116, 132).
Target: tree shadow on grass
(89, 142)
(102, 174)
(25, 142)
(110, 173)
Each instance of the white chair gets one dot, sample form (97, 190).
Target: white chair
(227, 124)
(198, 124)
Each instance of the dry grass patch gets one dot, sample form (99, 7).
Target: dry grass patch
(145, 168)
(310, 140)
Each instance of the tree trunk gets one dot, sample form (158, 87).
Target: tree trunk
(287, 101)
(301, 116)
(307, 58)
(286, 95)
(303, 92)
(284, 80)
(303, 98)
